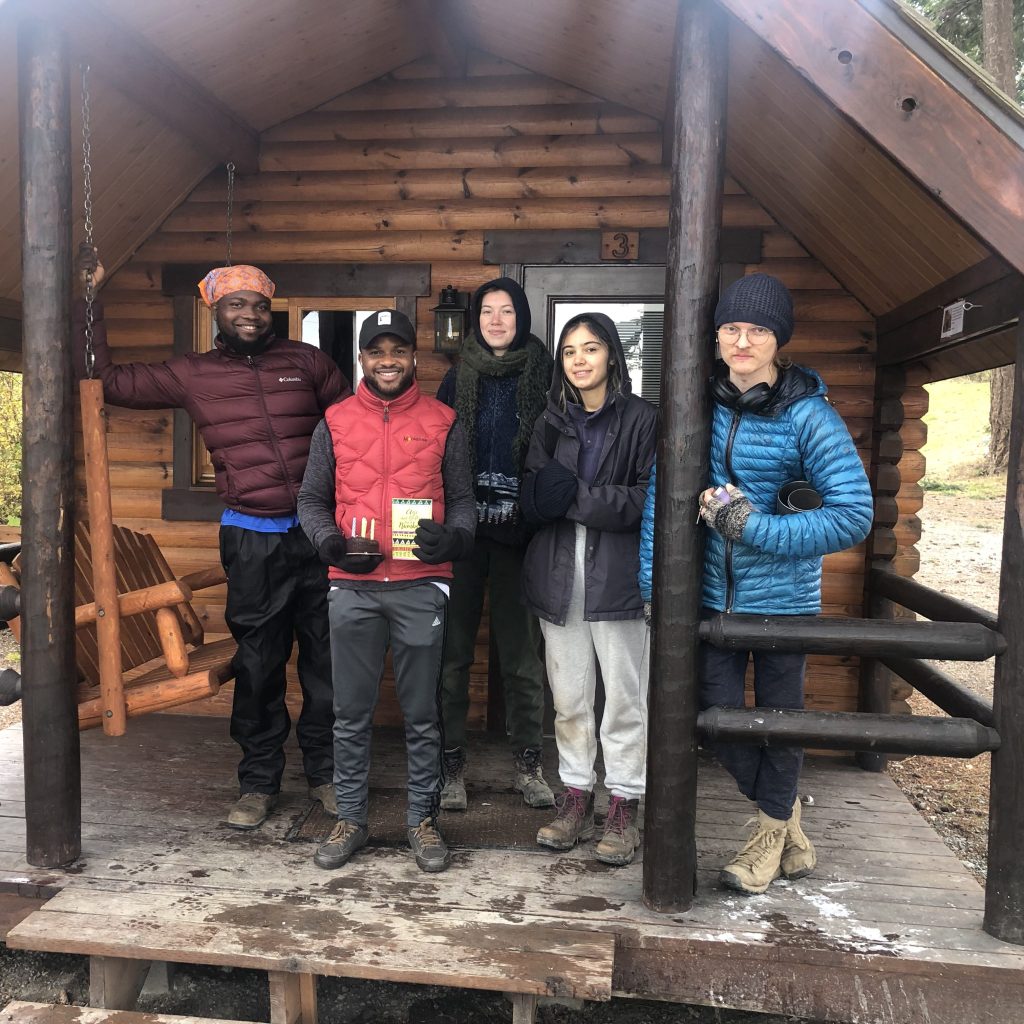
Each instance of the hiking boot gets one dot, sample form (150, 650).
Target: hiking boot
(429, 847)
(757, 865)
(453, 796)
(621, 833)
(529, 779)
(573, 822)
(798, 856)
(325, 794)
(346, 837)
(250, 810)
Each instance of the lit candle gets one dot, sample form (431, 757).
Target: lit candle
(353, 533)
(363, 533)
(372, 524)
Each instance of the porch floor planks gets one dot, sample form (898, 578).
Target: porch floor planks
(887, 896)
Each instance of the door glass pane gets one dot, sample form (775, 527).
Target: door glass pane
(640, 325)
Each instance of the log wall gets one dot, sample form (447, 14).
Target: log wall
(413, 167)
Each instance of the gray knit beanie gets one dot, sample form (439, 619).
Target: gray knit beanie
(758, 299)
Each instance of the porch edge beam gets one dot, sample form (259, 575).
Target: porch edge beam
(53, 813)
(148, 77)
(908, 109)
(1004, 888)
(698, 171)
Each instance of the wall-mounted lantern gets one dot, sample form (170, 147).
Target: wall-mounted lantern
(450, 315)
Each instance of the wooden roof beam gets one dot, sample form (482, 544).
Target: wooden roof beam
(436, 23)
(135, 67)
(906, 107)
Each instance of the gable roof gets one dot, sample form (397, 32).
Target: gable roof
(857, 189)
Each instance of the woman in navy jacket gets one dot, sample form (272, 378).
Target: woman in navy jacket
(771, 424)
(585, 486)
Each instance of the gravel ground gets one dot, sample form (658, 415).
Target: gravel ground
(960, 554)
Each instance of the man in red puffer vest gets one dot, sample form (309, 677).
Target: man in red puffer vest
(387, 500)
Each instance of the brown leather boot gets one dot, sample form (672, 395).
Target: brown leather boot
(621, 833)
(757, 865)
(573, 822)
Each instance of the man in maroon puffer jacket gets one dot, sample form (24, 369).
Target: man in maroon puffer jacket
(256, 400)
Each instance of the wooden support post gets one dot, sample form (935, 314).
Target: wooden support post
(524, 1007)
(292, 998)
(875, 679)
(53, 786)
(699, 81)
(115, 982)
(1004, 888)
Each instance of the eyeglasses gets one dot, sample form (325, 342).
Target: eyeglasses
(755, 335)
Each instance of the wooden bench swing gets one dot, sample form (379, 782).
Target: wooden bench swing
(139, 643)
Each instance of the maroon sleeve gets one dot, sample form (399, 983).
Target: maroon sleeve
(136, 385)
(331, 384)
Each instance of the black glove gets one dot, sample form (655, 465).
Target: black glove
(554, 490)
(332, 550)
(437, 543)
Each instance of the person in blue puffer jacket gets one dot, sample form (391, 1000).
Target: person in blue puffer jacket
(772, 424)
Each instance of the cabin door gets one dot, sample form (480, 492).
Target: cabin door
(633, 296)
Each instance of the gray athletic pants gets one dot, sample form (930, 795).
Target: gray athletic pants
(363, 624)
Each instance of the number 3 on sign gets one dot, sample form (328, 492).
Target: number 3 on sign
(620, 245)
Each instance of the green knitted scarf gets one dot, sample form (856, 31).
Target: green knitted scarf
(531, 363)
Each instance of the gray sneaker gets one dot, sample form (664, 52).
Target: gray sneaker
(428, 845)
(325, 794)
(250, 810)
(453, 796)
(529, 779)
(346, 837)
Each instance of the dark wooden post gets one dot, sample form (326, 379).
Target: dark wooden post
(53, 813)
(1004, 888)
(698, 154)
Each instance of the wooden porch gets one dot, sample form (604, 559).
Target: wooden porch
(888, 929)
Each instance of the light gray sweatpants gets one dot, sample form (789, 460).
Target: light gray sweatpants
(573, 652)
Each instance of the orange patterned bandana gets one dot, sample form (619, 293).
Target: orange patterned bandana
(223, 281)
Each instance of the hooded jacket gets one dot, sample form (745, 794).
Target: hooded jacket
(775, 568)
(498, 416)
(255, 413)
(610, 507)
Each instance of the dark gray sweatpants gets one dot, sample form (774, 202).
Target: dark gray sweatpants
(363, 624)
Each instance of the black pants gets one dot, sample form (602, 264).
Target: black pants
(277, 592)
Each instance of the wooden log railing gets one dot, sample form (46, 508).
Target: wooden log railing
(941, 689)
(933, 604)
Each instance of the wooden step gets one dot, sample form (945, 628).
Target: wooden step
(336, 937)
(19, 1012)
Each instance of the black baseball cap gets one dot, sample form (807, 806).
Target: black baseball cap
(387, 321)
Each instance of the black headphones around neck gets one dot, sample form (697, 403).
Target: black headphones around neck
(755, 399)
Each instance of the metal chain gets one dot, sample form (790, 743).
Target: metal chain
(90, 281)
(231, 208)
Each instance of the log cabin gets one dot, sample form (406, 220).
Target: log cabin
(637, 154)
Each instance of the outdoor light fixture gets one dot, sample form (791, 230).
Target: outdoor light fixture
(449, 321)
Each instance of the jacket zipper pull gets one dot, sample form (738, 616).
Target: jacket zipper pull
(387, 417)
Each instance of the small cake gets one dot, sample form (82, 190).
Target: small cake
(361, 546)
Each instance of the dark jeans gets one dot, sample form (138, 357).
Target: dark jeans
(496, 568)
(766, 775)
(277, 592)
(363, 624)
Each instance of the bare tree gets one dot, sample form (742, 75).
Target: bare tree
(1000, 58)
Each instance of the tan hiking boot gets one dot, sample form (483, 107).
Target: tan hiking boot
(573, 823)
(529, 779)
(325, 794)
(757, 865)
(250, 810)
(621, 833)
(453, 796)
(798, 856)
